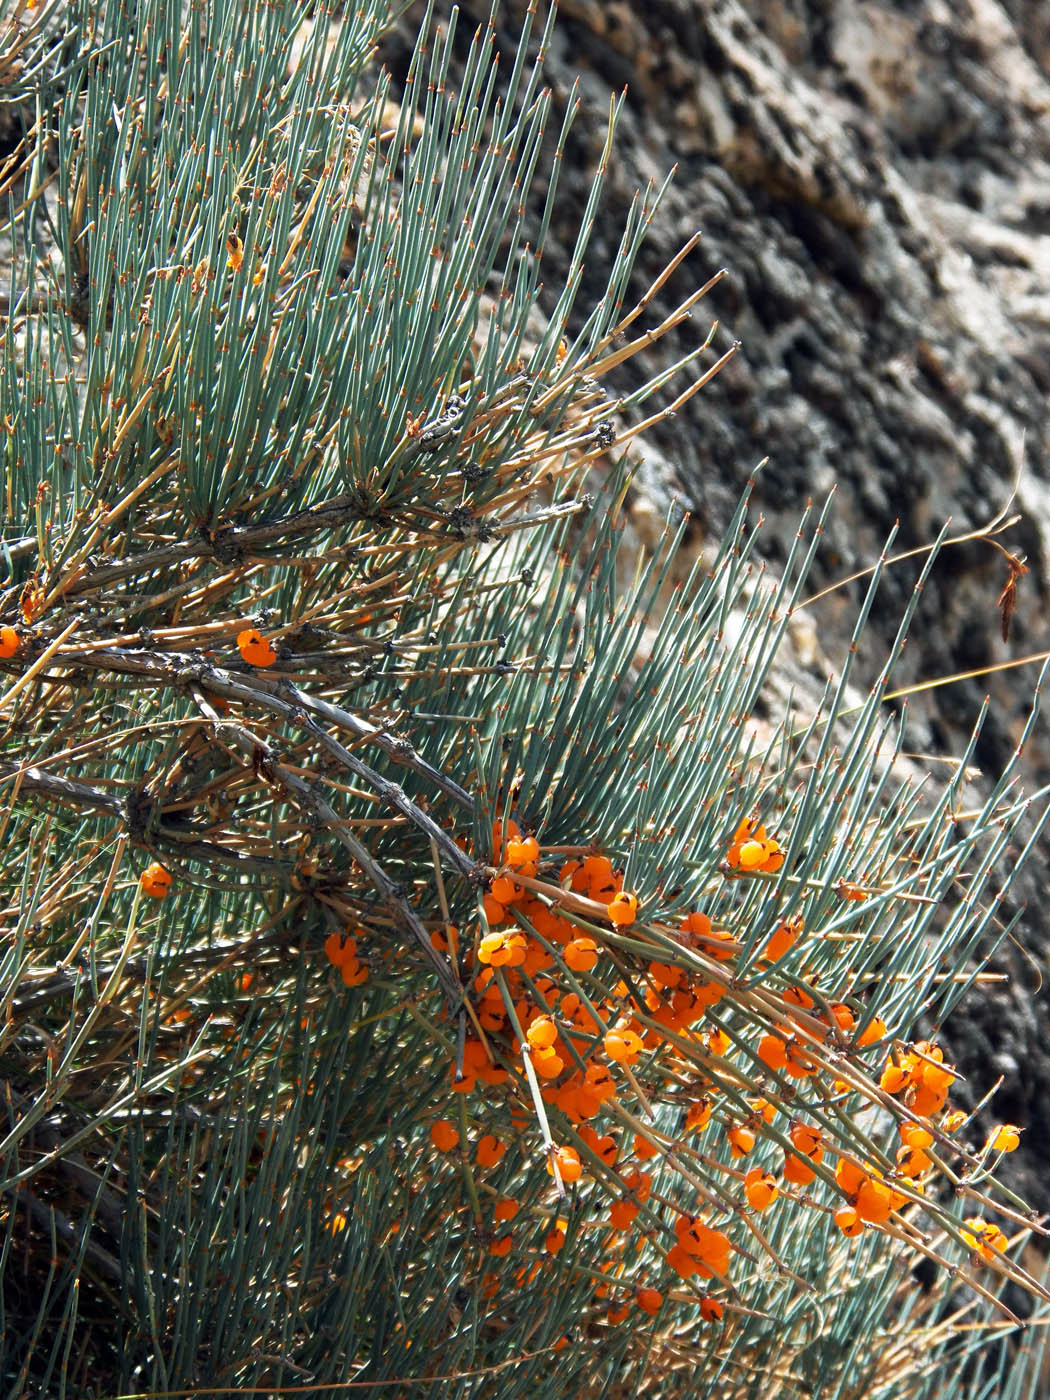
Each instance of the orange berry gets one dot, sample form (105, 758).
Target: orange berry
(256, 649)
(572, 872)
(690, 1230)
(501, 1246)
(798, 996)
(641, 1183)
(697, 923)
(711, 1310)
(554, 1241)
(599, 1081)
(489, 1073)
(1005, 1138)
(495, 912)
(556, 1236)
(697, 1116)
(912, 1161)
(745, 832)
(542, 1033)
(718, 1042)
(443, 1135)
(937, 1079)
(874, 1030)
(683, 1263)
(622, 909)
(874, 1201)
(752, 854)
(796, 1062)
(650, 1300)
(807, 1139)
(585, 1104)
(513, 833)
(914, 1135)
(924, 1101)
(599, 876)
(760, 1188)
(581, 954)
(849, 1176)
(782, 939)
(772, 1051)
(741, 1141)
(607, 1148)
(234, 251)
(339, 949)
(850, 891)
(503, 890)
(774, 858)
(621, 1214)
(623, 1045)
(155, 880)
(522, 851)
(503, 949)
(849, 1221)
(665, 975)
(716, 936)
(644, 1149)
(491, 1017)
(894, 1078)
(985, 1237)
(710, 1247)
(506, 1208)
(797, 1170)
(843, 1016)
(490, 1150)
(764, 1109)
(568, 1160)
(10, 642)
(548, 1063)
(352, 973)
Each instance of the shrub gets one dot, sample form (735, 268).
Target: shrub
(418, 965)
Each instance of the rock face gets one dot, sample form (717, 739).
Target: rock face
(876, 178)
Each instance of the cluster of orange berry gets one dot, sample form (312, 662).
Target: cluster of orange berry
(752, 849)
(920, 1077)
(539, 1006)
(341, 951)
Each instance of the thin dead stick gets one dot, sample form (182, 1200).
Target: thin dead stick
(682, 398)
(215, 680)
(915, 1242)
(661, 279)
(675, 318)
(960, 676)
(995, 526)
(71, 567)
(39, 664)
(259, 751)
(712, 1196)
(536, 1095)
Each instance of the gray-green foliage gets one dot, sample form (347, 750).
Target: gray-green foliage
(274, 359)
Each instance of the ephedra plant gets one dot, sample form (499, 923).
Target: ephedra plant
(417, 972)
